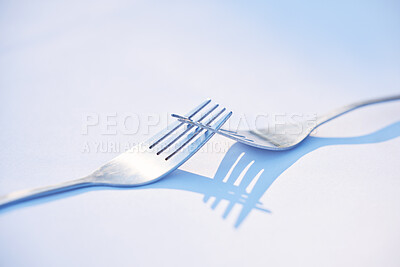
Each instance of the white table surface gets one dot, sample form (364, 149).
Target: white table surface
(333, 201)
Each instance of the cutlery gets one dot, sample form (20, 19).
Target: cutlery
(146, 162)
(288, 137)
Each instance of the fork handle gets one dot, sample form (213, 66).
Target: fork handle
(24, 195)
(340, 111)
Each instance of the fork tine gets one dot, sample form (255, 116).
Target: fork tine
(175, 126)
(191, 136)
(202, 139)
(228, 131)
(230, 134)
(187, 130)
(205, 126)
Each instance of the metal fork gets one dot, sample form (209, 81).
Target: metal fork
(146, 162)
(291, 135)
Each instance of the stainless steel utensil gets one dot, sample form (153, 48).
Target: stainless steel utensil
(287, 138)
(146, 162)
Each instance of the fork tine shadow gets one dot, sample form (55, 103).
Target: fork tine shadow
(246, 173)
(243, 176)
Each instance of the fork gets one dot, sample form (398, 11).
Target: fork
(144, 163)
(291, 135)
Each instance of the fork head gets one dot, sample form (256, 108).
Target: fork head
(163, 153)
(259, 138)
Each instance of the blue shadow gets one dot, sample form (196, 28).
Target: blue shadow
(243, 176)
(246, 173)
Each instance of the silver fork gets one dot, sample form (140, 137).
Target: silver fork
(145, 163)
(291, 135)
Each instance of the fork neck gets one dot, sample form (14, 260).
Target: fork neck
(343, 110)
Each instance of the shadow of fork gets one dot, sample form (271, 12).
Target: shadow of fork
(243, 176)
(246, 173)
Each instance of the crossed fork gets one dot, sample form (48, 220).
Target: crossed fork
(242, 177)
